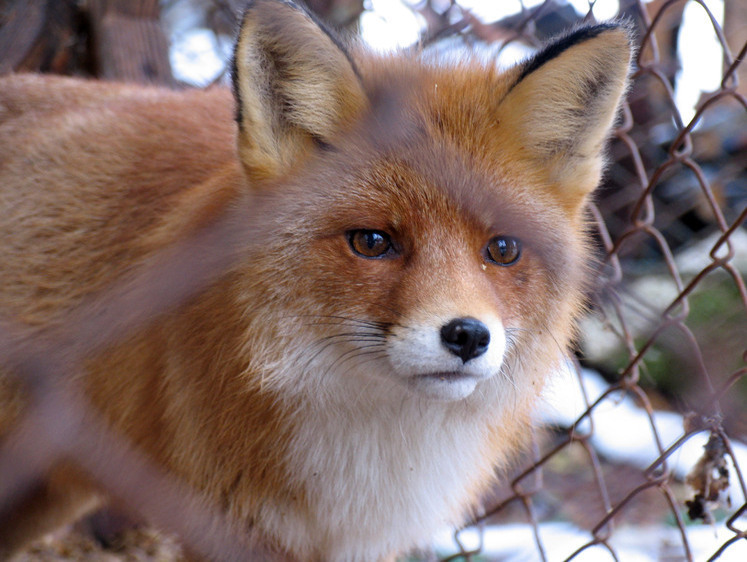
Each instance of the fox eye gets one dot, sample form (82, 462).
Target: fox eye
(504, 250)
(371, 244)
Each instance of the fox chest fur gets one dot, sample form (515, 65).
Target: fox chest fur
(347, 386)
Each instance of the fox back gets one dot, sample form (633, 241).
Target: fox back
(349, 386)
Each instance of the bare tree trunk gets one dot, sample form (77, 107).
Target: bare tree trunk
(41, 35)
(129, 41)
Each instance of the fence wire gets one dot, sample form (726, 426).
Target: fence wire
(666, 195)
(666, 330)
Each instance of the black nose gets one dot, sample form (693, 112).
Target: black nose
(466, 338)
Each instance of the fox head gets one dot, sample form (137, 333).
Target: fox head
(442, 241)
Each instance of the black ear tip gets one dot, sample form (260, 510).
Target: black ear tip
(574, 37)
(585, 32)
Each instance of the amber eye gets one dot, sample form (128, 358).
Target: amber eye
(504, 250)
(370, 243)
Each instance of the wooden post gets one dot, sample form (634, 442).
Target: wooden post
(129, 42)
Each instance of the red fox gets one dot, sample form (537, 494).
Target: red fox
(349, 388)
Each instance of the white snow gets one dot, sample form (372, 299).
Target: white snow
(516, 543)
(622, 431)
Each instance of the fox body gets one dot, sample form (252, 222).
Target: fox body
(348, 387)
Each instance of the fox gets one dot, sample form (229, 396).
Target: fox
(356, 382)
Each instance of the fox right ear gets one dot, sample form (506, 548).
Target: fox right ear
(561, 107)
(294, 84)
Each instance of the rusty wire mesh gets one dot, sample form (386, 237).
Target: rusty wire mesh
(676, 185)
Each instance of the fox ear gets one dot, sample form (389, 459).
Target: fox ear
(294, 84)
(562, 106)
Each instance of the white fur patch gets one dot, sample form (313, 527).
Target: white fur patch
(423, 363)
(381, 474)
(382, 468)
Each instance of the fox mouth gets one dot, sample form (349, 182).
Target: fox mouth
(446, 376)
(444, 385)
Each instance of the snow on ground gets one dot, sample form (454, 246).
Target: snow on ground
(623, 432)
(516, 543)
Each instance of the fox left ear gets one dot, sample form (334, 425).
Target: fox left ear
(294, 82)
(561, 108)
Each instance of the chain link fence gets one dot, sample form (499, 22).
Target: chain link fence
(665, 340)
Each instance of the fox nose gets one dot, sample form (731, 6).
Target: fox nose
(466, 338)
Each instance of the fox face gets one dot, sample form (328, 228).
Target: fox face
(348, 386)
(435, 261)
(425, 287)
(458, 237)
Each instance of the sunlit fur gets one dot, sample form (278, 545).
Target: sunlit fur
(287, 392)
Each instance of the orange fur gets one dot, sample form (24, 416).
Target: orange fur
(290, 391)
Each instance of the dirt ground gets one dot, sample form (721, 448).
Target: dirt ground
(139, 544)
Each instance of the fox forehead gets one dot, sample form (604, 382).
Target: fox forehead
(422, 187)
(455, 101)
(436, 149)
